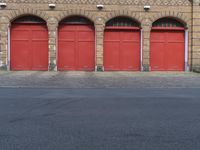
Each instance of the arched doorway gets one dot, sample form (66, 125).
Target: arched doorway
(122, 45)
(76, 44)
(167, 46)
(29, 44)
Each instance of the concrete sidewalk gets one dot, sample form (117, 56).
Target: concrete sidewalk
(99, 79)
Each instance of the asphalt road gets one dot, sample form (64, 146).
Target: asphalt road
(99, 119)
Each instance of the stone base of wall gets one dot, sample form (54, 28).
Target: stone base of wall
(99, 68)
(146, 68)
(4, 68)
(196, 68)
(52, 67)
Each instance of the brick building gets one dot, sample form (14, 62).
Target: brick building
(118, 35)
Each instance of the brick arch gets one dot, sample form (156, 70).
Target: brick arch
(76, 12)
(175, 15)
(23, 12)
(123, 13)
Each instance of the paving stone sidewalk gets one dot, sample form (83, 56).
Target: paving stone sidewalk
(100, 79)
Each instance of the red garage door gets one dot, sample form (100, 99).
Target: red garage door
(167, 48)
(76, 45)
(122, 45)
(29, 44)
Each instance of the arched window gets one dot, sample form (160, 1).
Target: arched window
(29, 19)
(167, 22)
(76, 20)
(122, 22)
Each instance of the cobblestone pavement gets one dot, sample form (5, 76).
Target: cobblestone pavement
(100, 79)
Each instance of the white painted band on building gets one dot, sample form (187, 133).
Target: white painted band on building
(186, 51)
(8, 48)
(56, 50)
(141, 50)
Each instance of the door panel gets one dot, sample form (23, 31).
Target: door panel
(111, 55)
(76, 46)
(122, 50)
(167, 50)
(157, 56)
(20, 55)
(29, 47)
(175, 57)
